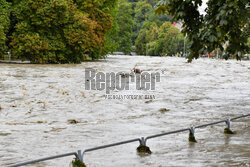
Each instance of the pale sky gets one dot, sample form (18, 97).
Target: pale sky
(203, 7)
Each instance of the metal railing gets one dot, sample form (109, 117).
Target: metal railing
(79, 154)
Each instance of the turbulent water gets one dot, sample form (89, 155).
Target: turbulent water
(40, 105)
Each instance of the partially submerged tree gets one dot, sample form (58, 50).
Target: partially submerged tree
(225, 21)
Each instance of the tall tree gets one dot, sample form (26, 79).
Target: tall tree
(125, 25)
(151, 37)
(225, 21)
(100, 11)
(169, 39)
(4, 25)
(142, 12)
(141, 42)
(161, 41)
(59, 31)
(111, 44)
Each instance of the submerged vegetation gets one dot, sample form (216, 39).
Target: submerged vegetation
(142, 149)
(191, 137)
(77, 163)
(228, 131)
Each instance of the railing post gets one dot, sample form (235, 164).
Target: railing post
(191, 137)
(78, 162)
(142, 148)
(80, 155)
(143, 141)
(228, 130)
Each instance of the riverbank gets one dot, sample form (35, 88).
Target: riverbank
(14, 62)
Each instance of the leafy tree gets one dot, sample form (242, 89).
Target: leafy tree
(42, 31)
(142, 12)
(166, 40)
(152, 2)
(152, 48)
(151, 38)
(2, 42)
(225, 21)
(101, 13)
(4, 25)
(142, 15)
(111, 44)
(248, 41)
(58, 31)
(125, 25)
(153, 32)
(4, 12)
(141, 42)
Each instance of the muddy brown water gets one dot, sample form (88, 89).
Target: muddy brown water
(38, 102)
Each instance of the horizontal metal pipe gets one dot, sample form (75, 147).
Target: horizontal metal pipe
(209, 124)
(239, 117)
(43, 159)
(111, 145)
(167, 133)
(200, 126)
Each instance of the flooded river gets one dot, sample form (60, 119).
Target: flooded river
(45, 110)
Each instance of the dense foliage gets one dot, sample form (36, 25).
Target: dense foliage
(159, 41)
(148, 33)
(125, 25)
(58, 31)
(70, 31)
(4, 25)
(225, 24)
(144, 15)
